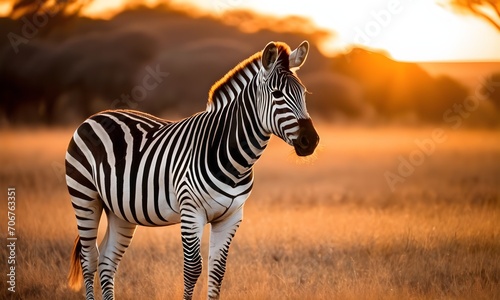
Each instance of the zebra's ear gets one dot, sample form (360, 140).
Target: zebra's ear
(269, 56)
(298, 56)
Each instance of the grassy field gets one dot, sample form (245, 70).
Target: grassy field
(322, 228)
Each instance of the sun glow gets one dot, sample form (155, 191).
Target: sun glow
(105, 8)
(423, 31)
(408, 30)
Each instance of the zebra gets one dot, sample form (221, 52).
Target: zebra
(143, 170)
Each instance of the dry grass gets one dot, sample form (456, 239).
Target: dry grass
(330, 228)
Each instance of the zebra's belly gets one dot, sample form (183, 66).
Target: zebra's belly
(165, 211)
(147, 212)
(172, 220)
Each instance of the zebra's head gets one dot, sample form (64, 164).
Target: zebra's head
(281, 97)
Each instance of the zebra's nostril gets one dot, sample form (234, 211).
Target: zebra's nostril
(304, 142)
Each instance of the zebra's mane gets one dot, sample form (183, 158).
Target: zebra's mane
(252, 64)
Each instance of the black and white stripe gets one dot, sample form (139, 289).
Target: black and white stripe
(142, 170)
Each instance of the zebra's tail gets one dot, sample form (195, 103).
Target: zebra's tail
(75, 269)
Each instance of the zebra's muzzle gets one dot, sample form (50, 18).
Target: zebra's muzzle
(307, 139)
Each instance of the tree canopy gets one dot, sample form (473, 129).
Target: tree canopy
(488, 10)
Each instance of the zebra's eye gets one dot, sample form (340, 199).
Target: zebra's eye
(277, 94)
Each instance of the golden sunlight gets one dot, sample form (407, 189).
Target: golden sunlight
(423, 31)
(5, 8)
(408, 30)
(98, 8)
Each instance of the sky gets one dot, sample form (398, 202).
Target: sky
(409, 30)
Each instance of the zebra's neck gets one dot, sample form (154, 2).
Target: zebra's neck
(239, 139)
(229, 87)
(238, 143)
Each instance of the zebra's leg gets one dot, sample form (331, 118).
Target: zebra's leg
(221, 235)
(191, 233)
(116, 241)
(88, 214)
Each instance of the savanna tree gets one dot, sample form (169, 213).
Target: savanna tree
(488, 10)
(65, 8)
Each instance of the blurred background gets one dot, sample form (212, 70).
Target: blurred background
(410, 62)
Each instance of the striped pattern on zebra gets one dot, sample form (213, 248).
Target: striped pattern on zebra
(142, 170)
